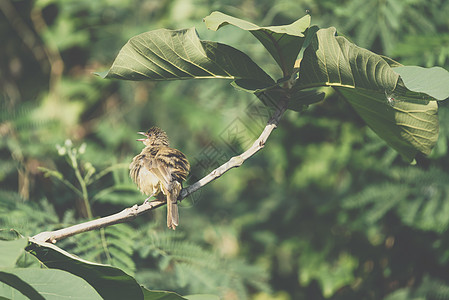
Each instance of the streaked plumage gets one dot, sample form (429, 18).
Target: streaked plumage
(159, 168)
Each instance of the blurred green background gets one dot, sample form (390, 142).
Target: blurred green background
(325, 211)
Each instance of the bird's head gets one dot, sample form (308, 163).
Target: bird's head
(154, 137)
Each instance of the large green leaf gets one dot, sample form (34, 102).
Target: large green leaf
(282, 42)
(109, 282)
(13, 287)
(179, 54)
(10, 251)
(408, 126)
(403, 118)
(44, 284)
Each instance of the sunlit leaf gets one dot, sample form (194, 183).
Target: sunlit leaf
(10, 251)
(179, 54)
(45, 284)
(403, 118)
(282, 42)
(109, 282)
(13, 287)
(431, 81)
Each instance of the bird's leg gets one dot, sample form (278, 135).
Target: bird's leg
(146, 200)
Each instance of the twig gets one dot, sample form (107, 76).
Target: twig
(136, 210)
(125, 215)
(237, 161)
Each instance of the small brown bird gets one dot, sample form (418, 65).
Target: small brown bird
(159, 168)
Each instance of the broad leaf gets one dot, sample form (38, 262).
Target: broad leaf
(109, 282)
(45, 284)
(10, 251)
(408, 126)
(282, 42)
(179, 54)
(13, 287)
(404, 119)
(432, 81)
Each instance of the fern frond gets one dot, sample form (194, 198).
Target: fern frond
(419, 198)
(197, 269)
(115, 247)
(28, 218)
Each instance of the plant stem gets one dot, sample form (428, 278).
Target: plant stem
(82, 183)
(85, 194)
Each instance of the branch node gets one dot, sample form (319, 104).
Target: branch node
(237, 161)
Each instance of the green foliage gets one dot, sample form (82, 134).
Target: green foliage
(195, 269)
(429, 288)
(385, 21)
(425, 193)
(282, 42)
(24, 217)
(363, 78)
(113, 245)
(424, 50)
(166, 55)
(331, 275)
(326, 200)
(67, 276)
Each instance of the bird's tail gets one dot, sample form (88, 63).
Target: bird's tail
(172, 206)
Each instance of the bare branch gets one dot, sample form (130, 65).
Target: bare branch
(237, 161)
(136, 210)
(125, 215)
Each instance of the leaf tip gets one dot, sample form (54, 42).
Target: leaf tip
(103, 74)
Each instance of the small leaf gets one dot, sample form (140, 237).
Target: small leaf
(179, 54)
(282, 42)
(51, 173)
(10, 251)
(431, 81)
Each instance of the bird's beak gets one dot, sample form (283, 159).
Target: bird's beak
(142, 133)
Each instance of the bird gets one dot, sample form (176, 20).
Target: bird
(159, 171)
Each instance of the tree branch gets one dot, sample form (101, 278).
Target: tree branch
(237, 161)
(132, 212)
(125, 215)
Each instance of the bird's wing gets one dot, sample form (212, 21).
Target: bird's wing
(158, 165)
(168, 164)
